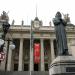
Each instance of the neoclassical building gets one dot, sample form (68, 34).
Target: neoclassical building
(25, 38)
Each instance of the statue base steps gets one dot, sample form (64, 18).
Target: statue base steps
(63, 65)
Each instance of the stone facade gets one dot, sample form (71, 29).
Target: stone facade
(22, 57)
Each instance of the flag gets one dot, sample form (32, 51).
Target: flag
(36, 53)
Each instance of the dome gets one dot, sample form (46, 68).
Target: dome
(36, 19)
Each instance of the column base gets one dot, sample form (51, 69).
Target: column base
(63, 65)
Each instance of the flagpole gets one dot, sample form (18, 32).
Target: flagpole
(31, 48)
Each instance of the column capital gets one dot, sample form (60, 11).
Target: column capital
(21, 39)
(52, 39)
(41, 39)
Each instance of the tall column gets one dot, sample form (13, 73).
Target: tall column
(42, 55)
(31, 57)
(2, 64)
(52, 50)
(20, 66)
(69, 46)
(9, 58)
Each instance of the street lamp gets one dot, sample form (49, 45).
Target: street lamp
(4, 27)
(1, 42)
(12, 46)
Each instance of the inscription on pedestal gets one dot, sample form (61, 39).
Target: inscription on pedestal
(70, 69)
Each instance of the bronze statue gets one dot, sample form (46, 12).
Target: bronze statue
(61, 39)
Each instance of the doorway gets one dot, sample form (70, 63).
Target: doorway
(36, 67)
(16, 67)
(26, 67)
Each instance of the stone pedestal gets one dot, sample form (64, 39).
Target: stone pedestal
(63, 65)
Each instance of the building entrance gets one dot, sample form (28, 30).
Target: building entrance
(16, 67)
(36, 67)
(26, 67)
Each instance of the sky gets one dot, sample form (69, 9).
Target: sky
(46, 9)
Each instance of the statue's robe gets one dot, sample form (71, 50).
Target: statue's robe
(61, 37)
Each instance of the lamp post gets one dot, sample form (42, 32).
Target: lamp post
(4, 27)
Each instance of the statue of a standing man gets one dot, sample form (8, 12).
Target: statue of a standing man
(61, 39)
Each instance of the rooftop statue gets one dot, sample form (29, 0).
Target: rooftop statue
(61, 39)
(67, 18)
(13, 21)
(22, 22)
(4, 16)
